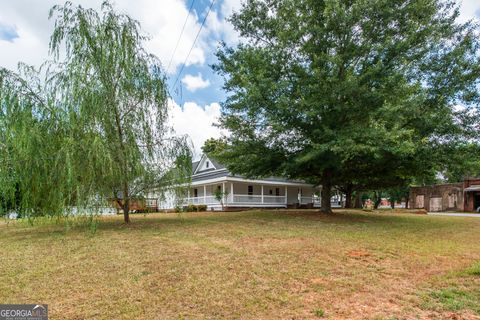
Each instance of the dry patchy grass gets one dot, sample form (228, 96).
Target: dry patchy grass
(248, 265)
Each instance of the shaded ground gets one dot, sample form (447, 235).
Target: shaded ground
(248, 265)
(455, 214)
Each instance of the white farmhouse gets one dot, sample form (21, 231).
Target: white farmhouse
(210, 177)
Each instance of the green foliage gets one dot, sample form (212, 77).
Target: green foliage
(195, 208)
(96, 127)
(36, 172)
(461, 161)
(221, 196)
(319, 313)
(358, 92)
(399, 194)
(213, 146)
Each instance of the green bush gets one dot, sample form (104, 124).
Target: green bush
(195, 208)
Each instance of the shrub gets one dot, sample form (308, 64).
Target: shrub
(195, 208)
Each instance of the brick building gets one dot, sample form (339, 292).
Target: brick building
(462, 196)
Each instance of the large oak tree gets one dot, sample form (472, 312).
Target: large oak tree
(320, 89)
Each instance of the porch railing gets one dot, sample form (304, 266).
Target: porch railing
(256, 199)
(201, 200)
(307, 200)
(237, 199)
(335, 203)
(242, 198)
(274, 199)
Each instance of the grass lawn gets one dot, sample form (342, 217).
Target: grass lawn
(248, 265)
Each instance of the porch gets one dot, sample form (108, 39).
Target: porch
(254, 194)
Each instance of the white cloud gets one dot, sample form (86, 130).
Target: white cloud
(161, 20)
(193, 83)
(468, 8)
(196, 122)
(218, 25)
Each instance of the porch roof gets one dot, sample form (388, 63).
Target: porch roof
(264, 181)
(472, 188)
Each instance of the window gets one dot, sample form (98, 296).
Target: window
(420, 201)
(207, 164)
(270, 192)
(219, 189)
(250, 190)
(277, 192)
(195, 193)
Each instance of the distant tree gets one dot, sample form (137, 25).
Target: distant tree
(212, 146)
(318, 85)
(398, 194)
(221, 196)
(461, 161)
(98, 123)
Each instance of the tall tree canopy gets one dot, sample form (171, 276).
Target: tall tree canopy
(322, 89)
(109, 99)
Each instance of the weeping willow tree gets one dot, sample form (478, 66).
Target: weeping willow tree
(99, 119)
(33, 170)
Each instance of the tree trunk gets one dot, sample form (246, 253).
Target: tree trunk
(378, 199)
(392, 204)
(358, 201)
(348, 197)
(326, 195)
(406, 203)
(126, 204)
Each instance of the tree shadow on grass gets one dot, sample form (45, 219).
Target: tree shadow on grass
(164, 223)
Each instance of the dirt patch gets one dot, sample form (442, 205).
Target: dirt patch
(358, 254)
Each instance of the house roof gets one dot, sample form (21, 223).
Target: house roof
(195, 165)
(198, 167)
(210, 174)
(220, 171)
(216, 164)
(472, 188)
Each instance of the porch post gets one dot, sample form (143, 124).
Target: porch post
(262, 193)
(188, 195)
(231, 191)
(286, 195)
(223, 191)
(204, 194)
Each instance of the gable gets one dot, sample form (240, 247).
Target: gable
(205, 164)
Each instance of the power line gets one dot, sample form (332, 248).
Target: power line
(194, 41)
(181, 33)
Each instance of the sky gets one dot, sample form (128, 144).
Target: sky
(197, 94)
